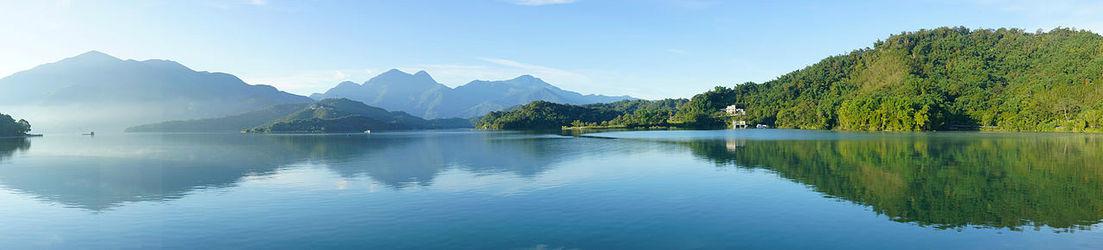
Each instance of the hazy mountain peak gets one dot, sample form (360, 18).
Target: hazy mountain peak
(390, 76)
(395, 77)
(527, 78)
(422, 75)
(520, 81)
(95, 54)
(394, 72)
(167, 64)
(527, 81)
(128, 92)
(92, 57)
(347, 84)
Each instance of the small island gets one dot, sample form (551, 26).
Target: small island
(544, 115)
(9, 127)
(340, 115)
(333, 115)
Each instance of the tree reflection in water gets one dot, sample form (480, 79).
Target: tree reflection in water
(10, 146)
(944, 181)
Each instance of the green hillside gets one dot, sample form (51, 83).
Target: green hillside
(348, 116)
(548, 115)
(941, 79)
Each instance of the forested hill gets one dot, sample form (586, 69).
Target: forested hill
(940, 79)
(339, 115)
(542, 115)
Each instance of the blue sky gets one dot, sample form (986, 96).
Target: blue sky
(643, 48)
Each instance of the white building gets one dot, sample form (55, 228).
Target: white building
(732, 110)
(737, 116)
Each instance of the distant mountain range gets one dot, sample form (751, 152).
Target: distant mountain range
(419, 94)
(96, 91)
(325, 116)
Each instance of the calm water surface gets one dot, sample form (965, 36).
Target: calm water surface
(498, 190)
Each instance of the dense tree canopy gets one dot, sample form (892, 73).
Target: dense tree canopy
(10, 127)
(543, 115)
(941, 79)
(548, 115)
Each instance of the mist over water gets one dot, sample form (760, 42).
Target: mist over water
(82, 118)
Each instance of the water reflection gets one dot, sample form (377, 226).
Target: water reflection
(940, 180)
(152, 168)
(10, 146)
(402, 161)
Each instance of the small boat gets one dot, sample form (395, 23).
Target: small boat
(367, 131)
(93, 133)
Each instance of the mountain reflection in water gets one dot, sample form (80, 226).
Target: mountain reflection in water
(948, 180)
(939, 180)
(160, 167)
(9, 146)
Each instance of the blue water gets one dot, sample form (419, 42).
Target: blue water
(504, 190)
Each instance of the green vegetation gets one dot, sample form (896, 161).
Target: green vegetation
(348, 116)
(641, 113)
(547, 115)
(543, 115)
(940, 79)
(949, 181)
(9, 127)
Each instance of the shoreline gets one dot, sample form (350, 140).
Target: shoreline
(21, 136)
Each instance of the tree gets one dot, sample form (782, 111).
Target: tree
(24, 126)
(10, 127)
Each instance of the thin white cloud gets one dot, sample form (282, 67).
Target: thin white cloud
(541, 2)
(677, 51)
(258, 2)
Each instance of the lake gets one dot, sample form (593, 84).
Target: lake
(511, 190)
